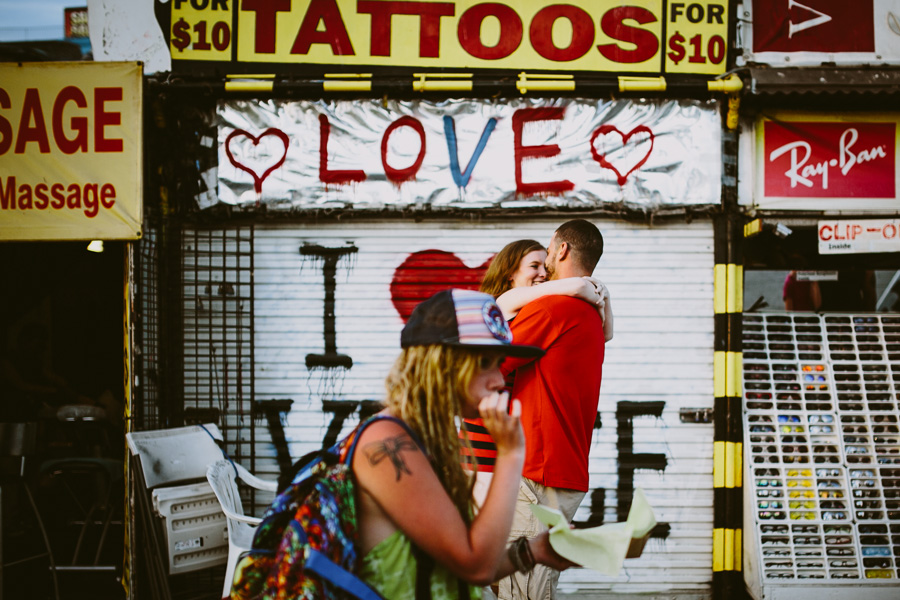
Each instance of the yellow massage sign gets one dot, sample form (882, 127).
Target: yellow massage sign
(640, 36)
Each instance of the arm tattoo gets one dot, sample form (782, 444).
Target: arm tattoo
(391, 448)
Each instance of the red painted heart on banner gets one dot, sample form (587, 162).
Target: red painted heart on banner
(605, 130)
(427, 272)
(278, 161)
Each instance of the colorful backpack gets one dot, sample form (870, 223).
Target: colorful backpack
(305, 547)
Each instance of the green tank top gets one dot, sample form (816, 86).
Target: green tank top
(390, 568)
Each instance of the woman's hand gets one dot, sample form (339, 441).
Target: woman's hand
(545, 554)
(604, 307)
(600, 292)
(586, 290)
(505, 427)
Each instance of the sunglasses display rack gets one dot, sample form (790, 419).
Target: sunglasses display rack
(822, 453)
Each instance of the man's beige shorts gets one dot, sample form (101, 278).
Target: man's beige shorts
(539, 584)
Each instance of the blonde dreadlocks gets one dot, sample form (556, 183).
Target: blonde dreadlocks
(426, 388)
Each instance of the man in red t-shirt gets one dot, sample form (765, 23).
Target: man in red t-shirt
(559, 394)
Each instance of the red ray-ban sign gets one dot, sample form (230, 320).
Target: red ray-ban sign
(828, 159)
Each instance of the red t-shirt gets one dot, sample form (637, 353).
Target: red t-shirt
(559, 391)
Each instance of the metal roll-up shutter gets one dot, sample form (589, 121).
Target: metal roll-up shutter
(327, 304)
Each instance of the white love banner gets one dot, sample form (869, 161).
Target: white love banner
(374, 154)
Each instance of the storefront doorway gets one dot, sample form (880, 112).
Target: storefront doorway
(783, 270)
(61, 352)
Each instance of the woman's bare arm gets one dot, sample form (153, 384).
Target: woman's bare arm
(394, 472)
(512, 301)
(604, 307)
(607, 315)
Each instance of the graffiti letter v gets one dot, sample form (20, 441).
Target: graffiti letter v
(462, 179)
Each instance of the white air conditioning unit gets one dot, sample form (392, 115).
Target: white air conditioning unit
(174, 464)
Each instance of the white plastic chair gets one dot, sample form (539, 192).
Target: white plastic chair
(221, 477)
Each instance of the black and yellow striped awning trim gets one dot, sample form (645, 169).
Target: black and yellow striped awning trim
(540, 83)
(728, 465)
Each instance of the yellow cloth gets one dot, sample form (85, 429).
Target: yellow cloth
(600, 548)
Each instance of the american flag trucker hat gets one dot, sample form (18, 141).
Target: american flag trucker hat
(462, 318)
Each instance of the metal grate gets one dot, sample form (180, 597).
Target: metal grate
(146, 399)
(217, 288)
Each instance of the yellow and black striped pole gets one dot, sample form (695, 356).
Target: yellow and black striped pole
(727, 417)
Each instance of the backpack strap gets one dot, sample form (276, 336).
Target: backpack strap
(338, 576)
(348, 459)
(424, 567)
(463, 589)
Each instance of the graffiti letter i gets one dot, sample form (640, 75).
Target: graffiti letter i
(331, 256)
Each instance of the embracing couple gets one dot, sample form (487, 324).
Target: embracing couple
(552, 302)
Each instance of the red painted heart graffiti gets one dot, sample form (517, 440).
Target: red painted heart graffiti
(601, 158)
(427, 272)
(257, 178)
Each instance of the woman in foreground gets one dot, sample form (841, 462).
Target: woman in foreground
(413, 491)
